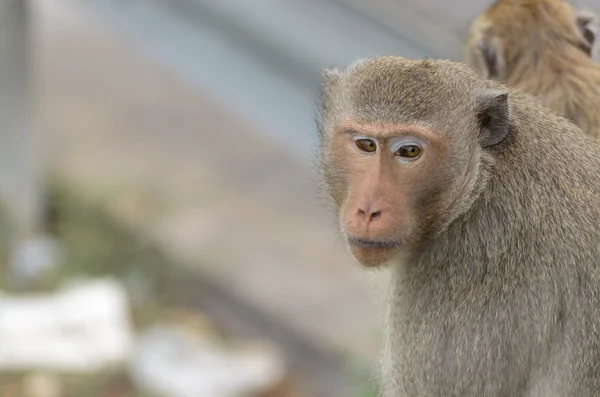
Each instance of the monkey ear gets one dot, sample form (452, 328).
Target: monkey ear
(493, 117)
(489, 56)
(586, 29)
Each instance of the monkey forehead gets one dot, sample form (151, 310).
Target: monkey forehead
(399, 90)
(385, 131)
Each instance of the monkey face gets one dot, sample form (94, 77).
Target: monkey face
(401, 163)
(386, 203)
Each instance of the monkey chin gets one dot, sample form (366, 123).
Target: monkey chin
(373, 254)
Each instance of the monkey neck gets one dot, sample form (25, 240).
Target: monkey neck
(461, 253)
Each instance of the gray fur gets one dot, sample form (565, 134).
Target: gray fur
(501, 295)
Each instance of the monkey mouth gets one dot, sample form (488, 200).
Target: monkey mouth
(373, 253)
(366, 243)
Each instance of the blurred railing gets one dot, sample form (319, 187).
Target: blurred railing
(19, 154)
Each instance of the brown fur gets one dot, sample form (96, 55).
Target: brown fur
(544, 48)
(495, 288)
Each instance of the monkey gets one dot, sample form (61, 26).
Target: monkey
(545, 48)
(484, 206)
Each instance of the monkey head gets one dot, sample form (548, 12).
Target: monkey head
(513, 31)
(402, 157)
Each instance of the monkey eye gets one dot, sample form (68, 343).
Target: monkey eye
(366, 145)
(408, 151)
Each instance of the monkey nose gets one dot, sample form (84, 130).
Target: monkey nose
(368, 214)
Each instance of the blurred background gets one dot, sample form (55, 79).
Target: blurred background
(161, 230)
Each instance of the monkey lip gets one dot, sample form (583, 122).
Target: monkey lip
(377, 244)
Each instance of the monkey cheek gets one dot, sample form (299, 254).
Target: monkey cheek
(373, 257)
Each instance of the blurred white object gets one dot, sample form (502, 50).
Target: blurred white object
(168, 363)
(33, 257)
(82, 328)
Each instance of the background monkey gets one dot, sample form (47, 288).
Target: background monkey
(543, 47)
(486, 205)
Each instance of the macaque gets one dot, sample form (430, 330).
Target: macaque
(485, 206)
(545, 48)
